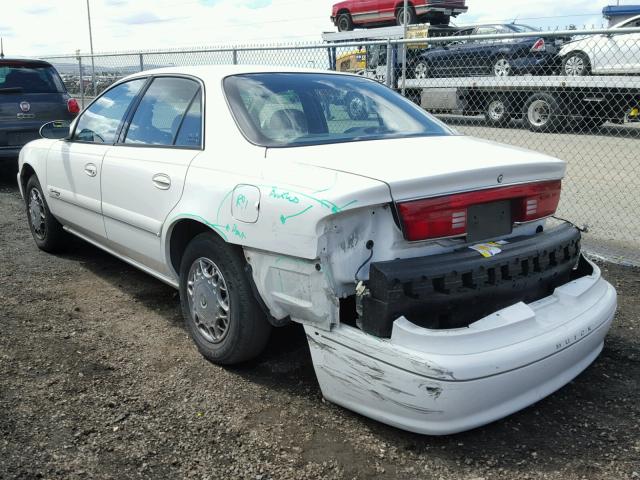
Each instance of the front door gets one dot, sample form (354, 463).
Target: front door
(74, 166)
(143, 175)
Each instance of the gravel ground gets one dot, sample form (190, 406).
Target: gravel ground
(98, 379)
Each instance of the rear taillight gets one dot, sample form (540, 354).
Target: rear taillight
(73, 106)
(539, 46)
(447, 216)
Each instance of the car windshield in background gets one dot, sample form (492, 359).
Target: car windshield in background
(29, 78)
(522, 28)
(295, 109)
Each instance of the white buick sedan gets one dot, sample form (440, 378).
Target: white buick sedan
(434, 293)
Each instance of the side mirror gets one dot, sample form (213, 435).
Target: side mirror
(56, 130)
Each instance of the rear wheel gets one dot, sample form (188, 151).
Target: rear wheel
(345, 22)
(356, 106)
(502, 67)
(542, 113)
(47, 232)
(411, 16)
(220, 312)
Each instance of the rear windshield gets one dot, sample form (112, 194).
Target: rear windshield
(27, 78)
(295, 109)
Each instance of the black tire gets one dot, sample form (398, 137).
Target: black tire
(356, 106)
(576, 64)
(542, 113)
(247, 330)
(421, 70)
(411, 16)
(497, 112)
(502, 67)
(49, 234)
(345, 22)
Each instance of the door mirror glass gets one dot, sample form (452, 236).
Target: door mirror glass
(56, 130)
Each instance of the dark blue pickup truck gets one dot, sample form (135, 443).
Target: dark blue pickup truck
(31, 94)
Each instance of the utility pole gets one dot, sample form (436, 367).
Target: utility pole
(93, 66)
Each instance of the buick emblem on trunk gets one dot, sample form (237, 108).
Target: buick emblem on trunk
(25, 106)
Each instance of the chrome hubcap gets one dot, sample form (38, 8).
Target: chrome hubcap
(539, 113)
(37, 213)
(496, 110)
(502, 68)
(357, 108)
(421, 71)
(574, 66)
(208, 298)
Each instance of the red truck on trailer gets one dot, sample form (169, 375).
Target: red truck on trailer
(348, 14)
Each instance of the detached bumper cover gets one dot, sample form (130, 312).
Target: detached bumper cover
(446, 381)
(455, 289)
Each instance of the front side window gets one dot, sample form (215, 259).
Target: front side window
(296, 109)
(100, 122)
(161, 112)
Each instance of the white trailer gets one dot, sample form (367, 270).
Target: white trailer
(545, 103)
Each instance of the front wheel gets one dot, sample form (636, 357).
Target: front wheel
(498, 112)
(220, 312)
(576, 64)
(421, 70)
(345, 22)
(47, 232)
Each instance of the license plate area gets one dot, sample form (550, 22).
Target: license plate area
(489, 220)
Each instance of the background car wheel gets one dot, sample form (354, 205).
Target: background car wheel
(542, 113)
(502, 67)
(345, 22)
(498, 112)
(220, 312)
(421, 71)
(356, 106)
(576, 64)
(411, 16)
(45, 228)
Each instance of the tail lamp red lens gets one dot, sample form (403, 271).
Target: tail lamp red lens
(539, 46)
(73, 106)
(447, 216)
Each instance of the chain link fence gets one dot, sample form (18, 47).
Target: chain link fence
(574, 95)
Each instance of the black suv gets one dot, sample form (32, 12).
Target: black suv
(31, 94)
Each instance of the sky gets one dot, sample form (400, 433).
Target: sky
(44, 27)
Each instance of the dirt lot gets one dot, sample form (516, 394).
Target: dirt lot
(99, 380)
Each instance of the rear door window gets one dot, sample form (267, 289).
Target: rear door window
(161, 112)
(30, 78)
(101, 121)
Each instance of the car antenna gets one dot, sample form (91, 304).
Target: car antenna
(1, 47)
(514, 21)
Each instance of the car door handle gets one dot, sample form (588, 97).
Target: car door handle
(161, 181)
(90, 169)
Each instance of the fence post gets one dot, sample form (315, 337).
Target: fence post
(141, 63)
(81, 81)
(234, 56)
(390, 64)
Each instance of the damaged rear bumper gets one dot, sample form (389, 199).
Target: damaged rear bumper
(445, 381)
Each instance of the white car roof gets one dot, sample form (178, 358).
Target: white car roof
(215, 73)
(630, 19)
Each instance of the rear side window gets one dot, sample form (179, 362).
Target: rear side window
(190, 132)
(161, 112)
(30, 78)
(100, 122)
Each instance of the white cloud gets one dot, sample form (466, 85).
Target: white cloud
(39, 27)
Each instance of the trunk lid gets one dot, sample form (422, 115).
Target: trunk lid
(429, 166)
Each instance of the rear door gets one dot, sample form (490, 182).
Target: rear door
(31, 94)
(143, 175)
(74, 167)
